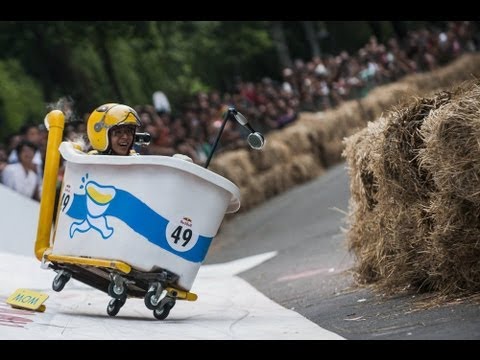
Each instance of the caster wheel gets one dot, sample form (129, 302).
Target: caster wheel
(59, 282)
(161, 314)
(164, 308)
(114, 306)
(117, 291)
(151, 298)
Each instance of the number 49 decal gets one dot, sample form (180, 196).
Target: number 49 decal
(180, 236)
(65, 200)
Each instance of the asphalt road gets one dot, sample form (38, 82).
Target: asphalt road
(310, 274)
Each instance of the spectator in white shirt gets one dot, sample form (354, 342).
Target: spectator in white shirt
(30, 133)
(21, 176)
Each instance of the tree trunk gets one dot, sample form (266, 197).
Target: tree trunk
(400, 29)
(278, 36)
(309, 27)
(376, 29)
(107, 62)
(44, 72)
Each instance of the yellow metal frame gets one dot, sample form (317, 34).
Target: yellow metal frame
(56, 122)
(77, 260)
(115, 265)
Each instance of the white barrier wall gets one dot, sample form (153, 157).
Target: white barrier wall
(18, 222)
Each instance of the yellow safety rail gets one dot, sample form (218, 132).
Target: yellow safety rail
(56, 122)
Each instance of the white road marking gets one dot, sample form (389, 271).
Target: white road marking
(227, 308)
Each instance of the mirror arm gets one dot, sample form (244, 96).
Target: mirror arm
(217, 139)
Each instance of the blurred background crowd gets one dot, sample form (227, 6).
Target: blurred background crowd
(316, 84)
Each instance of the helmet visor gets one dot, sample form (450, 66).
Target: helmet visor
(124, 115)
(117, 115)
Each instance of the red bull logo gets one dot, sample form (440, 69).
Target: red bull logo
(186, 221)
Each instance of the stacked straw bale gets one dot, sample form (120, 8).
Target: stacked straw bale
(452, 156)
(415, 204)
(235, 166)
(328, 130)
(386, 96)
(274, 152)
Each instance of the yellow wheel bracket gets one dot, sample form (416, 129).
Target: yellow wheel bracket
(77, 260)
(181, 294)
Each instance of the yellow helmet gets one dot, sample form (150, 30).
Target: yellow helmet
(105, 117)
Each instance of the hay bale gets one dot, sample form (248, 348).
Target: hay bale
(311, 120)
(401, 171)
(383, 97)
(274, 152)
(332, 153)
(347, 119)
(331, 128)
(303, 167)
(462, 69)
(362, 151)
(385, 234)
(283, 176)
(320, 133)
(454, 266)
(298, 138)
(308, 117)
(251, 194)
(275, 180)
(235, 166)
(452, 155)
(404, 192)
(452, 151)
(389, 246)
(389, 223)
(336, 125)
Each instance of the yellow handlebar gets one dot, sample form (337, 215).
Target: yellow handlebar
(56, 121)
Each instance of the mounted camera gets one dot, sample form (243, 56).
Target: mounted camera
(142, 139)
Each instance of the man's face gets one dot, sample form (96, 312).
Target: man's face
(121, 139)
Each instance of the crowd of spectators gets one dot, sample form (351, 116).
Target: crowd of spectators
(319, 84)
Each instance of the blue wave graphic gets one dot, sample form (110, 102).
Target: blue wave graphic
(143, 220)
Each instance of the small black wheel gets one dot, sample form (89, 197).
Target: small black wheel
(59, 282)
(163, 309)
(151, 301)
(161, 313)
(114, 306)
(117, 291)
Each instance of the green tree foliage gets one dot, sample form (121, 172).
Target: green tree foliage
(20, 98)
(346, 35)
(91, 78)
(126, 61)
(223, 50)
